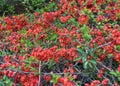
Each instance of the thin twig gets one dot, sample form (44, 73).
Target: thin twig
(103, 45)
(39, 74)
(104, 66)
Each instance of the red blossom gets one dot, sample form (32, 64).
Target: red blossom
(83, 19)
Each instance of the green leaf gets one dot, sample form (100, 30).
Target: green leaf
(2, 84)
(11, 67)
(73, 22)
(54, 78)
(93, 61)
(118, 15)
(6, 81)
(85, 65)
(22, 40)
(31, 58)
(110, 55)
(26, 65)
(86, 36)
(90, 64)
(37, 10)
(51, 63)
(113, 73)
(115, 1)
(70, 77)
(4, 78)
(117, 47)
(80, 51)
(23, 31)
(84, 29)
(8, 31)
(118, 78)
(78, 58)
(2, 53)
(83, 60)
(19, 68)
(33, 69)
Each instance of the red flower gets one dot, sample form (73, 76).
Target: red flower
(95, 83)
(99, 1)
(57, 13)
(87, 84)
(99, 18)
(118, 68)
(83, 19)
(105, 82)
(13, 84)
(100, 74)
(48, 16)
(72, 70)
(1, 27)
(23, 78)
(64, 40)
(36, 14)
(6, 59)
(64, 19)
(115, 84)
(65, 70)
(47, 78)
(118, 41)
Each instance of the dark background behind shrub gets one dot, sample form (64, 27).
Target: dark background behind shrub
(9, 7)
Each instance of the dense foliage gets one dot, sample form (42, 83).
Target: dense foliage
(64, 43)
(10, 7)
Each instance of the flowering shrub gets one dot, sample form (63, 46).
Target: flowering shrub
(76, 45)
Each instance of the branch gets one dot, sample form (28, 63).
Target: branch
(104, 66)
(39, 74)
(103, 45)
